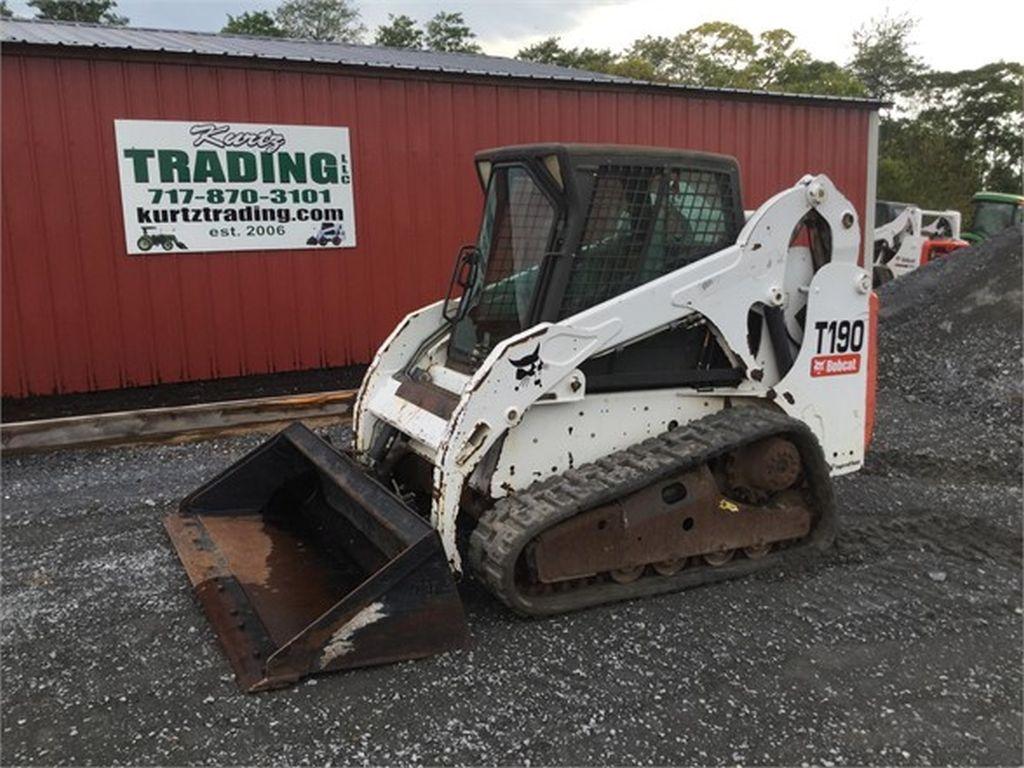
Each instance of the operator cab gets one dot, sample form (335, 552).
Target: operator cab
(568, 226)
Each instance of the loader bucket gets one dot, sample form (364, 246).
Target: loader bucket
(305, 564)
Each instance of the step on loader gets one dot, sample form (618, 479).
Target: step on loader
(630, 389)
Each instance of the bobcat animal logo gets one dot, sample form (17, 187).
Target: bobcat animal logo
(529, 365)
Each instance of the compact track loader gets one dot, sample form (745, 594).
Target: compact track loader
(629, 390)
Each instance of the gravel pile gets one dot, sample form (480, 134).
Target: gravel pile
(950, 345)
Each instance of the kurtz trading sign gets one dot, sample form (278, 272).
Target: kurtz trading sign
(223, 186)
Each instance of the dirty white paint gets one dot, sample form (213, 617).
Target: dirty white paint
(341, 641)
(559, 436)
(760, 269)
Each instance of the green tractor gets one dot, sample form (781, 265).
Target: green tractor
(161, 239)
(993, 212)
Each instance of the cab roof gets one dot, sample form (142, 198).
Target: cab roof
(609, 154)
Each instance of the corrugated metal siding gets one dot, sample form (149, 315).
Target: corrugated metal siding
(79, 314)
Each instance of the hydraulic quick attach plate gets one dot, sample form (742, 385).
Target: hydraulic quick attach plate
(304, 564)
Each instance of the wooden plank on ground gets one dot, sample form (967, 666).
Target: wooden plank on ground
(178, 424)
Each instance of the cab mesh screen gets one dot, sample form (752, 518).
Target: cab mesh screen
(644, 222)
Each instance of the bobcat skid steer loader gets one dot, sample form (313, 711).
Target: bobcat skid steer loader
(628, 390)
(913, 238)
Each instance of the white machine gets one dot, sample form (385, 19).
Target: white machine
(912, 239)
(631, 388)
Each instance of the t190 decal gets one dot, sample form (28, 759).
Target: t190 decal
(839, 336)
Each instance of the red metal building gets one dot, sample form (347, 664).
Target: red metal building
(80, 314)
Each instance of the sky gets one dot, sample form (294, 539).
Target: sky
(950, 35)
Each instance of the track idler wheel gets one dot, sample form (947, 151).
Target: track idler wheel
(760, 469)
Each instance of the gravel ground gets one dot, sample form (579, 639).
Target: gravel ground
(899, 647)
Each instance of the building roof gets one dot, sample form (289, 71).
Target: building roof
(105, 37)
(75, 35)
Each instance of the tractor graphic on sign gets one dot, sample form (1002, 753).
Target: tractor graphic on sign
(150, 239)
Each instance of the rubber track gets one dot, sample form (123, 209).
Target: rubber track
(503, 531)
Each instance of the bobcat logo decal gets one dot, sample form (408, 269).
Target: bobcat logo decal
(528, 366)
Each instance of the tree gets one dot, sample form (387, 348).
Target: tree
(723, 55)
(882, 59)
(716, 53)
(255, 23)
(657, 52)
(817, 77)
(981, 110)
(448, 32)
(952, 134)
(774, 54)
(632, 67)
(5, 12)
(923, 163)
(547, 51)
(91, 11)
(550, 51)
(400, 32)
(329, 20)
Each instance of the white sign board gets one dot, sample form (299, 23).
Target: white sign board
(224, 186)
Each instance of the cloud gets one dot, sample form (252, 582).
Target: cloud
(825, 30)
